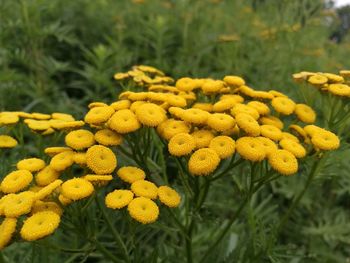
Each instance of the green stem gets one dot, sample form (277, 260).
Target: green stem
(105, 252)
(113, 230)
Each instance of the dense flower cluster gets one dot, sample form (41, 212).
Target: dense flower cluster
(201, 121)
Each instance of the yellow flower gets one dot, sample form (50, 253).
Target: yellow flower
(62, 125)
(272, 120)
(8, 118)
(203, 162)
(234, 81)
(176, 111)
(108, 137)
(96, 104)
(64, 200)
(251, 149)
(276, 93)
(76, 189)
(242, 108)
(41, 116)
(119, 199)
(4, 202)
(101, 159)
(46, 176)
(7, 229)
(121, 105)
(235, 97)
(325, 140)
(298, 131)
(268, 145)
(224, 146)
(248, 124)
(271, 132)
(80, 139)
(283, 162)
(171, 127)
(283, 105)
(220, 121)
(195, 116)
(150, 114)
(344, 73)
(169, 196)
(186, 84)
(38, 125)
(305, 113)
(120, 76)
(135, 105)
(16, 181)
(47, 190)
(131, 174)
(212, 86)
(98, 180)
(333, 78)
(52, 151)
(99, 115)
(40, 206)
(40, 225)
(143, 210)
(124, 121)
(262, 108)
(317, 79)
(224, 104)
(62, 116)
(294, 147)
(7, 141)
(202, 138)
(339, 90)
(262, 95)
(144, 188)
(287, 135)
(203, 106)
(181, 144)
(79, 158)
(31, 164)
(19, 204)
(62, 160)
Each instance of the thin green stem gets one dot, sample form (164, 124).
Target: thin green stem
(105, 251)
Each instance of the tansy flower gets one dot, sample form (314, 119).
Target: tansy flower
(242, 108)
(234, 81)
(121, 105)
(220, 121)
(143, 210)
(287, 135)
(325, 140)
(120, 76)
(98, 115)
(97, 179)
(136, 104)
(40, 225)
(64, 200)
(272, 120)
(108, 137)
(283, 105)
(181, 144)
(176, 111)
(135, 96)
(8, 118)
(262, 95)
(248, 124)
(62, 116)
(339, 89)
(40, 116)
(7, 229)
(268, 145)
(131, 174)
(250, 148)
(169, 196)
(237, 98)
(305, 113)
(283, 162)
(38, 125)
(175, 100)
(31, 164)
(19, 204)
(203, 162)
(46, 176)
(79, 158)
(262, 108)
(52, 151)
(186, 84)
(67, 125)
(4, 201)
(271, 132)
(294, 147)
(119, 199)
(276, 93)
(77, 188)
(245, 90)
(195, 116)
(171, 127)
(62, 160)
(203, 106)
(224, 146)
(298, 131)
(40, 206)
(7, 141)
(101, 159)
(96, 104)
(16, 181)
(80, 139)
(202, 138)
(344, 73)
(144, 188)
(317, 79)
(311, 130)
(224, 105)
(150, 114)
(212, 86)
(47, 190)
(124, 121)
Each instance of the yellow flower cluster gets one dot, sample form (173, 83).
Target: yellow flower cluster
(335, 84)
